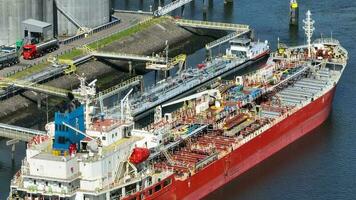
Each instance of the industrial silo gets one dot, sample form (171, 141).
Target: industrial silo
(88, 13)
(48, 9)
(12, 13)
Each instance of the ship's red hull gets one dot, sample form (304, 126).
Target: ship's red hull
(248, 155)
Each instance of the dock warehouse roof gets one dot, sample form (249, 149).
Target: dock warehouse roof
(35, 25)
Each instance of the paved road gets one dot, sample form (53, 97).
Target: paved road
(127, 20)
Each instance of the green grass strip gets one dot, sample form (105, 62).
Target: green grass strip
(29, 71)
(72, 54)
(125, 33)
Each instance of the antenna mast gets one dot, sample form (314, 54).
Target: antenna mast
(309, 29)
(86, 92)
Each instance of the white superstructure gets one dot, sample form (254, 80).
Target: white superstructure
(245, 48)
(98, 169)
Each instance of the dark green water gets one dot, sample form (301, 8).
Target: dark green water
(321, 165)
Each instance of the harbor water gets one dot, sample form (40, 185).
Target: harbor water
(321, 165)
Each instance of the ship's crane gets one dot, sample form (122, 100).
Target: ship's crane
(125, 110)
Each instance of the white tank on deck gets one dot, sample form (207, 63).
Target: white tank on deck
(89, 13)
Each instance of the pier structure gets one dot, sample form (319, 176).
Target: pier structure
(238, 30)
(40, 89)
(157, 63)
(175, 4)
(128, 57)
(170, 7)
(211, 25)
(16, 134)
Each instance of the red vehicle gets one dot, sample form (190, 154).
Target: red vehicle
(31, 51)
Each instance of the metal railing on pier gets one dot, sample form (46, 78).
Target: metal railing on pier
(19, 133)
(170, 7)
(126, 56)
(36, 87)
(212, 25)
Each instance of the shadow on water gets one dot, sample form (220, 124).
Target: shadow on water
(228, 12)
(293, 35)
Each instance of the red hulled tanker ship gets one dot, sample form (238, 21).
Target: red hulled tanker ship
(216, 135)
(248, 155)
(292, 125)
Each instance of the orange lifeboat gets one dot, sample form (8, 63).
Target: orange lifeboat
(139, 155)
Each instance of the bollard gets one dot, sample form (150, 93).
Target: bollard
(294, 13)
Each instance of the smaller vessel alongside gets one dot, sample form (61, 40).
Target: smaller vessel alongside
(242, 53)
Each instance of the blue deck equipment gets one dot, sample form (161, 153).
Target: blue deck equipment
(65, 136)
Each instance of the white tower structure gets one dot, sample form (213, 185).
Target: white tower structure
(87, 92)
(309, 29)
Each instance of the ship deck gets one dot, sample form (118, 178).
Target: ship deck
(237, 122)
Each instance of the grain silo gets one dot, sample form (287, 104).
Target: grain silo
(87, 13)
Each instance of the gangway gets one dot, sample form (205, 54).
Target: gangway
(170, 7)
(226, 38)
(19, 133)
(212, 25)
(126, 56)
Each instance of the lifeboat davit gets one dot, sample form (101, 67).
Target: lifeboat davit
(139, 155)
